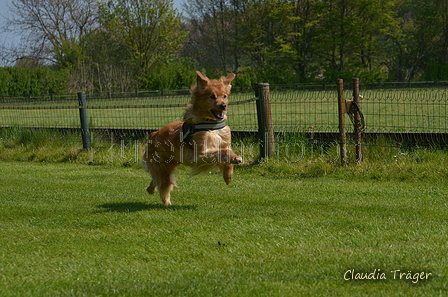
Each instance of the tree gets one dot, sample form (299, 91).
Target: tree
(212, 39)
(351, 35)
(141, 34)
(51, 29)
(424, 46)
(261, 28)
(298, 43)
(263, 22)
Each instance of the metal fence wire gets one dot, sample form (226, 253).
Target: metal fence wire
(416, 116)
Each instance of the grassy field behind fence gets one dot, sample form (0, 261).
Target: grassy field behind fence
(77, 230)
(402, 110)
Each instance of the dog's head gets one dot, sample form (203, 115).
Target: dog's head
(209, 98)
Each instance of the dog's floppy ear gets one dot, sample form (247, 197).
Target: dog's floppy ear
(201, 80)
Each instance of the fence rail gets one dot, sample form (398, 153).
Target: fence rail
(407, 116)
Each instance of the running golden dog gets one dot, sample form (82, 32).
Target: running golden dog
(201, 140)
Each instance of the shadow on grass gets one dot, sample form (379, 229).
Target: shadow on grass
(140, 206)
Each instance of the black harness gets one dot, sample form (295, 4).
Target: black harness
(189, 129)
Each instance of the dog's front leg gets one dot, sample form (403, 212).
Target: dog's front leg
(227, 155)
(218, 156)
(227, 171)
(231, 157)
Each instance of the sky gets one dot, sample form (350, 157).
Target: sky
(4, 12)
(8, 39)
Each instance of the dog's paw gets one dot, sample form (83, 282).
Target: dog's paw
(237, 160)
(151, 190)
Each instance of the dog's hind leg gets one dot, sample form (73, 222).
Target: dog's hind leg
(167, 183)
(162, 179)
(165, 191)
(151, 189)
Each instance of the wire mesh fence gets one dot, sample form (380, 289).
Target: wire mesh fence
(385, 110)
(410, 110)
(302, 117)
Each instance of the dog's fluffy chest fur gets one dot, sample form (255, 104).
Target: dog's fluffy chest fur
(221, 133)
(209, 140)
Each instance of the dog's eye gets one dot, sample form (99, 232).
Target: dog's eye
(213, 97)
(225, 96)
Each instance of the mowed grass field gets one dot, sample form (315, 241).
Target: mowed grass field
(79, 230)
(389, 110)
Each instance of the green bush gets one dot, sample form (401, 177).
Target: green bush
(435, 71)
(32, 81)
(172, 75)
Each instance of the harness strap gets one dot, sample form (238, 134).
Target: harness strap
(189, 129)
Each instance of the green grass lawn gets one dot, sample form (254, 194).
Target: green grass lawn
(78, 230)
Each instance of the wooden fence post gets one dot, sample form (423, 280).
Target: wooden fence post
(265, 128)
(341, 111)
(358, 134)
(85, 133)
